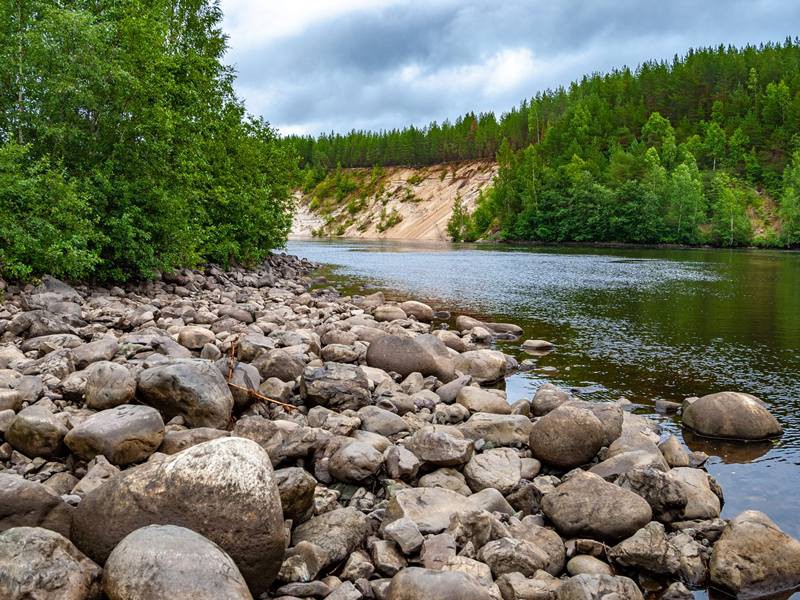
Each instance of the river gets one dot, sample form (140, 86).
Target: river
(639, 323)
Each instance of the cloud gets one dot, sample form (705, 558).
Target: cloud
(314, 66)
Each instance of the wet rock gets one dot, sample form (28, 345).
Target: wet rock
(338, 532)
(477, 400)
(484, 366)
(36, 431)
(731, 415)
(25, 503)
(224, 490)
(336, 386)
(414, 583)
(567, 437)
(440, 448)
(124, 435)
(194, 390)
(498, 468)
(598, 587)
(754, 558)
(40, 564)
(586, 505)
(165, 561)
(108, 385)
(425, 354)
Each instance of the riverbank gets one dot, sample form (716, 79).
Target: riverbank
(332, 446)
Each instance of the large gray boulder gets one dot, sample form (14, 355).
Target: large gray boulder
(548, 397)
(424, 354)
(567, 437)
(754, 558)
(415, 583)
(36, 431)
(124, 435)
(429, 508)
(478, 400)
(585, 505)
(498, 468)
(336, 386)
(498, 430)
(166, 561)
(108, 385)
(224, 489)
(440, 448)
(194, 390)
(39, 564)
(354, 462)
(731, 415)
(484, 366)
(599, 587)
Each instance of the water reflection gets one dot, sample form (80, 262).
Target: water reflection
(727, 452)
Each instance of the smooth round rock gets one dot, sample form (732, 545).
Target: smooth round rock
(585, 564)
(108, 385)
(567, 437)
(415, 583)
(166, 561)
(223, 489)
(731, 415)
(36, 431)
(125, 434)
(596, 587)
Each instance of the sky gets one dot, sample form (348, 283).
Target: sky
(314, 66)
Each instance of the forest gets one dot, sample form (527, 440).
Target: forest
(703, 149)
(123, 148)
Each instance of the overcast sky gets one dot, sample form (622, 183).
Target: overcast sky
(309, 66)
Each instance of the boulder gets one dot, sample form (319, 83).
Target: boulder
(477, 400)
(176, 440)
(87, 354)
(567, 437)
(388, 312)
(296, 487)
(665, 495)
(382, 421)
(338, 532)
(108, 385)
(336, 386)
(39, 564)
(587, 505)
(440, 448)
(498, 430)
(547, 398)
(543, 538)
(166, 561)
(280, 363)
(498, 468)
(224, 489)
(701, 501)
(418, 310)
(599, 587)
(195, 337)
(754, 558)
(414, 583)
(509, 555)
(36, 431)
(429, 508)
(25, 503)
(484, 366)
(194, 390)
(124, 435)
(731, 415)
(449, 479)
(354, 462)
(425, 354)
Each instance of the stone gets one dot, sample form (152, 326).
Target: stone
(543, 538)
(404, 533)
(224, 489)
(537, 345)
(386, 557)
(99, 471)
(425, 354)
(195, 337)
(589, 565)
(429, 508)
(498, 468)
(731, 415)
(358, 566)
(194, 390)
(389, 312)
(303, 562)
(338, 532)
(548, 397)
(476, 527)
(414, 583)
(515, 586)
(419, 310)
(701, 501)
(509, 555)
(108, 385)
(484, 366)
(40, 564)
(610, 414)
(754, 558)
(599, 587)
(176, 440)
(340, 353)
(281, 364)
(336, 386)
(673, 453)
(382, 421)
(166, 561)
(296, 487)
(355, 462)
(25, 503)
(99, 350)
(449, 479)
(567, 437)
(477, 400)
(36, 431)
(666, 496)
(498, 430)
(586, 505)
(448, 392)
(437, 551)
(400, 462)
(244, 379)
(440, 448)
(345, 591)
(125, 434)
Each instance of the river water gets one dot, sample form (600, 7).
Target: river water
(639, 323)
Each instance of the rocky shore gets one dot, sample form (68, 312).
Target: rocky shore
(254, 434)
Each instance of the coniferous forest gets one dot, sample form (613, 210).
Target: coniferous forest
(123, 149)
(702, 149)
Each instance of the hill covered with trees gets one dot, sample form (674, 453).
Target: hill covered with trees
(123, 149)
(702, 149)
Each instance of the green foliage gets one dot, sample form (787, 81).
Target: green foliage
(731, 224)
(388, 219)
(458, 222)
(790, 203)
(129, 107)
